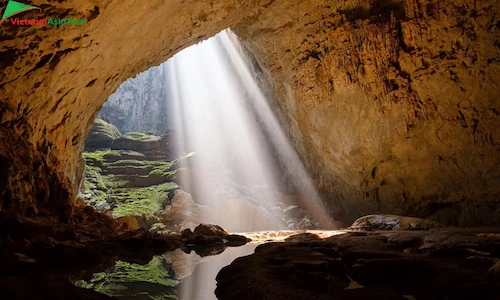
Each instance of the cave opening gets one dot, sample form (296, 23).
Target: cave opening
(391, 105)
(194, 140)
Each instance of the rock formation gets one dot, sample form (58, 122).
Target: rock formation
(139, 104)
(101, 136)
(392, 104)
(436, 264)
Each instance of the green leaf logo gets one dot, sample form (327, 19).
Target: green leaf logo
(14, 7)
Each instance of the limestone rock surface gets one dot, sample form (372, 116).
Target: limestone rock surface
(393, 105)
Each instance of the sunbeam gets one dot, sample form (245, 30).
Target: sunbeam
(244, 163)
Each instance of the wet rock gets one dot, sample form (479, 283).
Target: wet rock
(382, 267)
(392, 222)
(210, 251)
(203, 240)
(187, 232)
(234, 240)
(302, 237)
(478, 261)
(210, 230)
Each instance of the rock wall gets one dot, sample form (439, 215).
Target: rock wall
(139, 104)
(393, 104)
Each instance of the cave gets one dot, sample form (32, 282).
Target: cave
(391, 107)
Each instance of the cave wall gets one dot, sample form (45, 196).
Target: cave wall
(392, 104)
(54, 79)
(140, 104)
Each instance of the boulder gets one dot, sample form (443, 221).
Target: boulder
(101, 135)
(392, 222)
(210, 230)
(303, 237)
(187, 232)
(183, 208)
(235, 240)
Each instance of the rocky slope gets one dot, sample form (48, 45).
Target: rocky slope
(392, 104)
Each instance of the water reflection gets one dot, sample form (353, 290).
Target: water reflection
(173, 275)
(201, 284)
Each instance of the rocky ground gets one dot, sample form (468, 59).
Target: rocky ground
(362, 262)
(445, 263)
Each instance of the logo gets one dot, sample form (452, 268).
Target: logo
(14, 8)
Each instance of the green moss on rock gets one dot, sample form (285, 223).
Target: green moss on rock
(132, 280)
(141, 201)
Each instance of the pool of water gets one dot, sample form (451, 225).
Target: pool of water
(173, 275)
(183, 275)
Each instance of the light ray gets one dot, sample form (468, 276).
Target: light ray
(241, 152)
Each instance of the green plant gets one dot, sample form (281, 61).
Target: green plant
(123, 278)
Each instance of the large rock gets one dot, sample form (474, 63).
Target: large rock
(184, 208)
(210, 230)
(354, 266)
(101, 135)
(389, 222)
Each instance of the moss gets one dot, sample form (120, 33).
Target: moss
(141, 201)
(125, 278)
(106, 128)
(127, 162)
(93, 175)
(164, 170)
(145, 163)
(94, 156)
(115, 155)
(121, 174)
(140, 136)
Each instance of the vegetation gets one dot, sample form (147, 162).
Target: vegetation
(104, 127)
(126, 279)
(126, 182)
(96, 156)
(140, 136)
(141, 201)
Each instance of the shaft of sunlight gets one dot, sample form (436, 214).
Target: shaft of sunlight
(243, 160)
